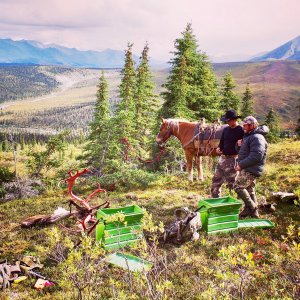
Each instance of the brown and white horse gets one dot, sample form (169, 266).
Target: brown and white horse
(204, 144)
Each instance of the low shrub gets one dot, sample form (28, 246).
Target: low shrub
(6, 175)
(128, 178)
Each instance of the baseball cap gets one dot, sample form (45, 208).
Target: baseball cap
(250, 120)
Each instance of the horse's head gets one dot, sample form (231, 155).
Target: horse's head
(165, 132)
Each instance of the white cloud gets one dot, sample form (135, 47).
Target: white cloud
(221, 26)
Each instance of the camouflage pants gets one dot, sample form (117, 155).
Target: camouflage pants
(244, 186)
(224, 172)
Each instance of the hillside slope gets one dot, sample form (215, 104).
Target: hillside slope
(27, 81)
(274, 84)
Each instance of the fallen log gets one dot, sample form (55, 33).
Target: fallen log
(42, 220)
(285, 196)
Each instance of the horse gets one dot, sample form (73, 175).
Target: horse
(197, 139)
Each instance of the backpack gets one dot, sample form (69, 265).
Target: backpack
(184, 228)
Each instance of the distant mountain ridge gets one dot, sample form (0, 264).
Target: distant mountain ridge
(287, 51)
(32, 52)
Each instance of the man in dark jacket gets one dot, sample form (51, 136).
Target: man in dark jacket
(225, 169)
(251, 162)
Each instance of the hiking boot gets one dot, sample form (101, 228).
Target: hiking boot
(268, 207)
(254, 213)
(245, 212)
(244, 195)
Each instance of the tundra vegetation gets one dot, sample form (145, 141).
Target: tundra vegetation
(248, 264)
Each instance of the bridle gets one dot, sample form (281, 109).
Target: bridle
(167, 134)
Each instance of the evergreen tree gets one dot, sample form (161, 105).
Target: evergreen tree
(34, 141)
(191, 88)
(272, 121)
(146, 101)
(4, 146)
(99, 127)
(22, 142)
(229, 100)
(247, 103)
(39, 161)
(123, 124)
(126, 107)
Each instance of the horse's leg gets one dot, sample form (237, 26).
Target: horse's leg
(189, 162)
(199, 168)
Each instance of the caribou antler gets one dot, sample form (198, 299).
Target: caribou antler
(71, 181)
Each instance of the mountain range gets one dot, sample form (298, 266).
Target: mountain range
(32, 52)
(287, 51)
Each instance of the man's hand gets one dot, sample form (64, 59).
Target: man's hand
(218, 151)
(237, 167)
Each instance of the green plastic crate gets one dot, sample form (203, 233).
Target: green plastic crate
(132, 213)
(226, 218)
(219, 214)
(116, 234)
(222, 225)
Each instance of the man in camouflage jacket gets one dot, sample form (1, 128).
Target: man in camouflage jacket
(251, 161)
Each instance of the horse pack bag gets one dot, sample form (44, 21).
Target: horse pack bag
(207, 137)
(184, 228)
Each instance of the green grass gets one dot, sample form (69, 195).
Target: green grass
(248, 264)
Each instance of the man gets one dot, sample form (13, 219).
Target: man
(225, 169)
(251, 162)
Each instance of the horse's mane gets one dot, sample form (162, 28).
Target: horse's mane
(175, 122)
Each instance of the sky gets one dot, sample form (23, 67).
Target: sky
(222, 27)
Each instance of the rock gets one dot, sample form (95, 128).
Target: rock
(22, 189)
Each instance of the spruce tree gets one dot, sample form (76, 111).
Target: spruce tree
(191, 88)
(146, 101)
(99, 127)
(272, 121)
(229, 100)
(124, 121)
(247, 103)
(22, 142)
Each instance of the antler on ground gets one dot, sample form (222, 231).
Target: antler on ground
(84, 213)
(71, 181)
